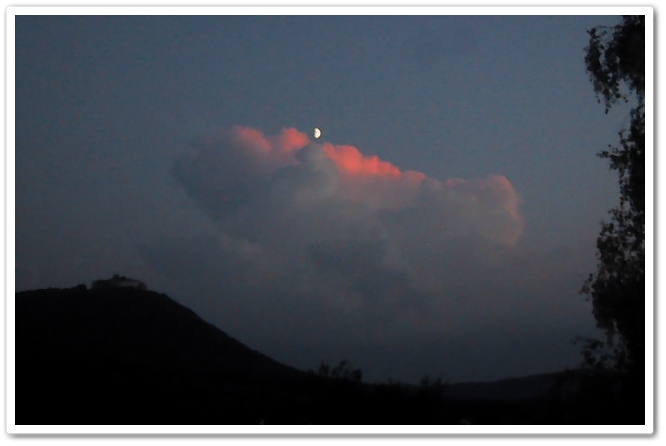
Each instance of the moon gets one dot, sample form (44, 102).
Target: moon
(317, 133)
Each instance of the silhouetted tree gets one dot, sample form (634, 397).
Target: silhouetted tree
(343, 372)
(324, 370)
(437, 385)
(615, 61)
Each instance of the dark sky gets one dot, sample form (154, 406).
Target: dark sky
(442, 225)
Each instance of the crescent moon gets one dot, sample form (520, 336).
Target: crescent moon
(317, 132)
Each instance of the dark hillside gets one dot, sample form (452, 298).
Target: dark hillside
(127, 356)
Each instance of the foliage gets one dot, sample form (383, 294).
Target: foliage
(430, 385)
(615, 60)
(342, 372)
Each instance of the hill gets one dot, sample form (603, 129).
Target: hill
(128, 356)
(122, 356)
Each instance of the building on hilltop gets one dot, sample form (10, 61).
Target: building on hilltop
(119, 282)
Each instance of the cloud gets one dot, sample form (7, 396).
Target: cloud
(319, 244)
(240, 173)
(333, 221)
(312, 204)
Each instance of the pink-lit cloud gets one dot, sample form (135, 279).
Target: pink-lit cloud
(241, 167)
(359, 233)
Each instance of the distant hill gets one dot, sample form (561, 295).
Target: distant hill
(522, 388)
(120, 356)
